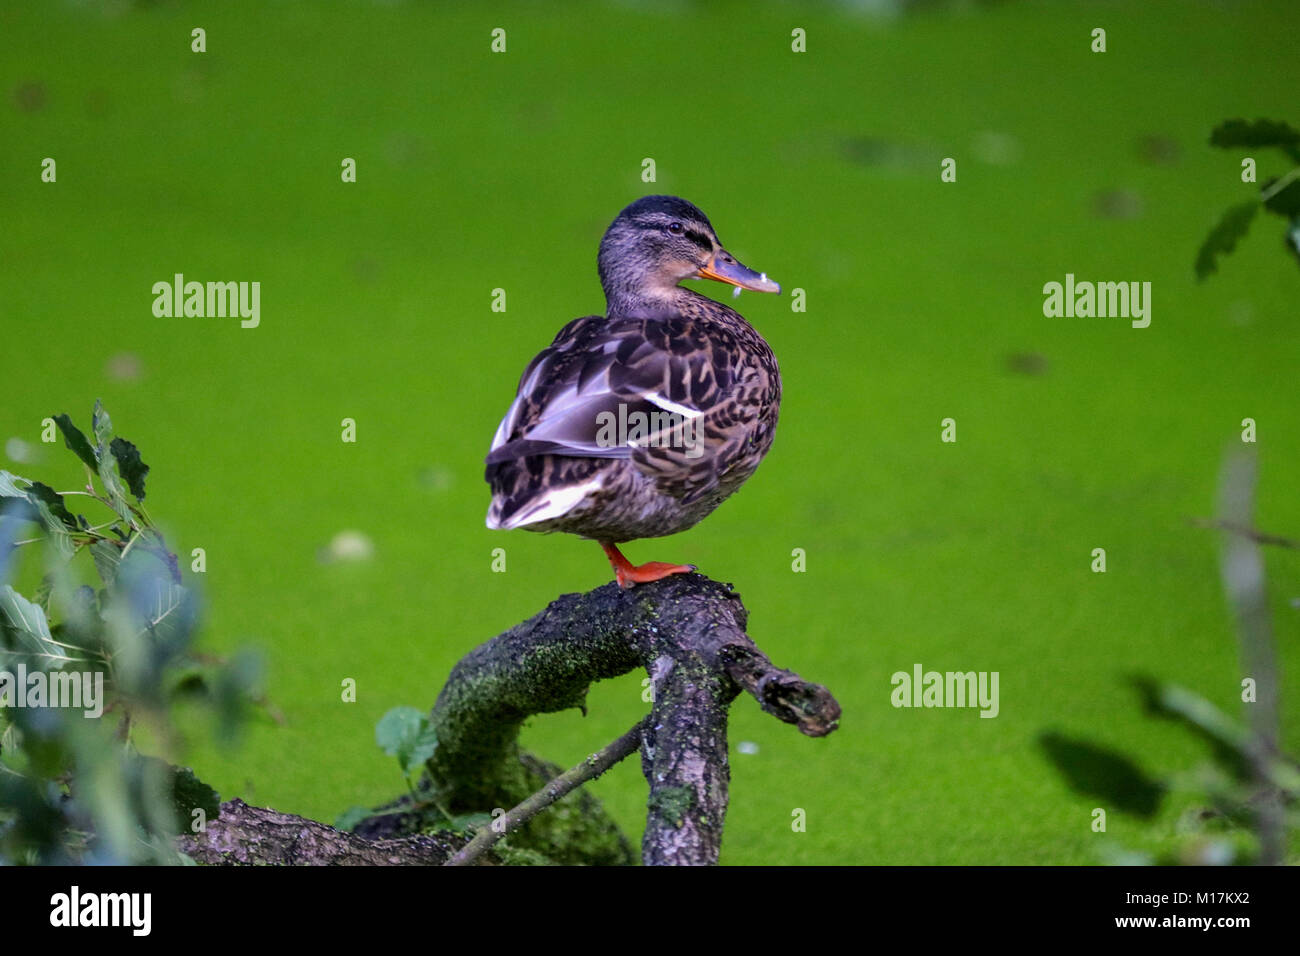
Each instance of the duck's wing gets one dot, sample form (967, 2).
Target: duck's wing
(731, 433)
(579, 396)
(696, 392)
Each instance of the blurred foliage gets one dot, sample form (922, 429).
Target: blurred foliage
(1279, 195)
(1245, 799)
(1220, 828)
(74, 784)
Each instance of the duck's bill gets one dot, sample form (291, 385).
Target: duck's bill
(725, 267)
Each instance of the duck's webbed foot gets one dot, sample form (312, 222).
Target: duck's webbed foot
(627, 574)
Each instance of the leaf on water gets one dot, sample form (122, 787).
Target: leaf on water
(75, 439)
(405, 733)
(1098, 772)
(129, 465)
(1223, 238)
(26, 630)
(1262, 132)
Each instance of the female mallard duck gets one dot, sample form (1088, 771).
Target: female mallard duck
(639, 422)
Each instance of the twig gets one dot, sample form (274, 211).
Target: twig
(561, 786)
(1262, 537)
(1244, 581)
(1281, 184)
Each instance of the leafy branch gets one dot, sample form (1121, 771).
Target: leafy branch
(74, 785)
(1279, 195)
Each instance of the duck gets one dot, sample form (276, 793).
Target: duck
(638, 423)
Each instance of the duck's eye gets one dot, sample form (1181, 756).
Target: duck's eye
(676, 229)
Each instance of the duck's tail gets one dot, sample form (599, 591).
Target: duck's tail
(523, 503)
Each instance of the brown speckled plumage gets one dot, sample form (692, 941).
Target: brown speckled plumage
(660, 350)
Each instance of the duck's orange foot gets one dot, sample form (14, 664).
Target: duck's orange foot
(627, 574)
(650, 571)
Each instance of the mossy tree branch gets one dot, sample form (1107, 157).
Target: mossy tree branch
(687, 632)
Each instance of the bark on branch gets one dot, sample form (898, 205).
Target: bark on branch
(252, 836)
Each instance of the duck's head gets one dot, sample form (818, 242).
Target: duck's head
(657, 242)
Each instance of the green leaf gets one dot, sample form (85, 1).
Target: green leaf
(129, 465)
(396, 727)
(42, 500)
(1223, 238)
(102, 426)
(55, 517)
(75, 439)
(405, 733)
(25, 630)
(159, 606)
(1099, 772)
(107, 557)
(9, 485)
(54, 502)
(149, 623)
(113, 489)
(1262, 132)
